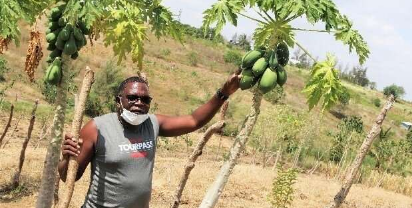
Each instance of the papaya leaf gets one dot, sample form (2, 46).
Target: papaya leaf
(324, 82)
(270, 34)
(125, 30)
(221, 12)
(162, 21)
(12, 11)
(353, 39)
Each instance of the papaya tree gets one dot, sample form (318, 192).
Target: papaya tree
(122, 24)
(274, 28)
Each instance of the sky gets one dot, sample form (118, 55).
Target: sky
(385, 26)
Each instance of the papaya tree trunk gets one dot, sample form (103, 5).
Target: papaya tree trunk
(16, 177)
(196, 153)
(212, 195)
(45, 197)
(6, 128)
(353, 171)
(76, 125)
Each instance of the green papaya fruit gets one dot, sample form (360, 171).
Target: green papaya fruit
(282, 76)
(282, 54)
(48, 31)
(64, 34)
(268, 81)
(54, 72)
(62, 22)
(51, 38)
(259, 67)
(54, 75)
(57, 61)
(75, 55)
(78, 35)
(80, 43)
(250, 58)
(49, 59)
(47, 74)
(55, 14)
(83, 28)
(69, 27)
(248, 80)
(60, 44)
(54, 26)
(70, 46)
(51, 47)
(273, 62)
(55, 53)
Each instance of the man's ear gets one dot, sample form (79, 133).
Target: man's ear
(117, 100)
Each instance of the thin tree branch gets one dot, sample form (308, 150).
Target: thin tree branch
(196, 153)
(254, 19)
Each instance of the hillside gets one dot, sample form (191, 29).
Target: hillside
(178, 86)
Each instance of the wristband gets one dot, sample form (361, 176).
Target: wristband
(220, 95)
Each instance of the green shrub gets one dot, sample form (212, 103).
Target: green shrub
(101, 98)
(193, 58)
(3, 68)
(48, 91)
(281, 195)
(233, 57)
(377, 102)
(396, 91)
(165, 52)
(93, 106)
(275, 96)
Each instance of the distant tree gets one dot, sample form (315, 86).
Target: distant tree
(395, 90)
(302, 59)
(358, 75)
(372, 85)
(243, 42)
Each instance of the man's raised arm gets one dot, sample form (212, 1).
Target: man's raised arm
(179, 125)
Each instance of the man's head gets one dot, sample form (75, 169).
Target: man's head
(133, 95)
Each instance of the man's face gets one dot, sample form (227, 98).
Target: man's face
(135, 98)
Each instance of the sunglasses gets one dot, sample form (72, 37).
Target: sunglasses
(134, 98)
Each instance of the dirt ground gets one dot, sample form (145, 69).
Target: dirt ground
(248, 186)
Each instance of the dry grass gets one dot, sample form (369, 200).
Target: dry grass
(248, 186)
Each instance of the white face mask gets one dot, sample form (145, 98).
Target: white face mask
(133, 118)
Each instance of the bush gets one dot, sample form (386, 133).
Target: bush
(101, 97)
(93, 106)
(275, 96)
(193, 58)
(377, 102)
(281, 195)
(233, 57)
(3, 68)
(396, 91)
(344, 97)
(48, 91)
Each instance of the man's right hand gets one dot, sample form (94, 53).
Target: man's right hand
(70, 147)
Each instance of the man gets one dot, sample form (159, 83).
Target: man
(121, 146)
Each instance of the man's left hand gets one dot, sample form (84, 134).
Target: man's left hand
(232, 84)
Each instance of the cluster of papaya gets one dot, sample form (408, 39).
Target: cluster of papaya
(62, 37)
(265, 67)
